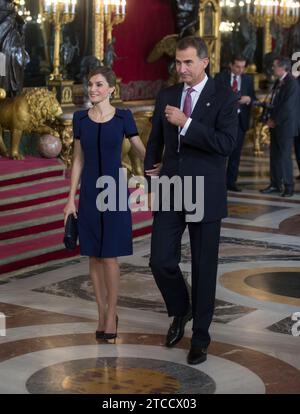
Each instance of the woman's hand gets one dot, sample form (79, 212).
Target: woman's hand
(70, 208)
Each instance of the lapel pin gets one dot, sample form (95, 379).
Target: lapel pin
(208, 104)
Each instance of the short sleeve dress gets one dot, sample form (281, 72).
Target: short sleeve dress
(104, 232)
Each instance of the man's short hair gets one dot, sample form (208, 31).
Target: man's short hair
(284, 62)
(239, 58)
(196, 42)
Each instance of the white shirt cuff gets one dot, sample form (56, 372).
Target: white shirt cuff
(185, 128)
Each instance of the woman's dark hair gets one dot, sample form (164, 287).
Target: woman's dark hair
(107, 73)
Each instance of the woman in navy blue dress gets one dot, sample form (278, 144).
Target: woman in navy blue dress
(104, 235)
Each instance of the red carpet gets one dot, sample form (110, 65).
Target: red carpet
(33, 189)
(33, 193)
(8, 166)
(17, 171)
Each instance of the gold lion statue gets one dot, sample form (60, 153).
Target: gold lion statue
(259, 133)
(166, 46)
(30, 112)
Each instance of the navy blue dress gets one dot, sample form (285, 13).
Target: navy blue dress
(103, 233)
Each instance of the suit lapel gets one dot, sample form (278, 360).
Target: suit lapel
(205, 100)
(175, 98)
(243, 85)
(281, 87)
(228, 78)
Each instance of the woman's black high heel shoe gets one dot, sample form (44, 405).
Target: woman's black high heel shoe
(112, 336)
(99, 334)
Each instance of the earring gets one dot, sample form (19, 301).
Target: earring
(110, 95)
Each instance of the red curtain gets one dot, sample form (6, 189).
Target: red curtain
(147, 22)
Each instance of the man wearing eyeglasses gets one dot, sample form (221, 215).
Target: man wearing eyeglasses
(283, 124)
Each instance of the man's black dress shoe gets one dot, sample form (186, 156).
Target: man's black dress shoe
(234, 188)
(270, 189)
(287, 193)
(196, 355)
(176, 330)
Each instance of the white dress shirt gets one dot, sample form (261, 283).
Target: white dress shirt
(195, 96)
(239, 83)
(283, 76)
(239, 80)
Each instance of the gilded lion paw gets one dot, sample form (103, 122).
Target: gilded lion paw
(4, 153)
(16, 156)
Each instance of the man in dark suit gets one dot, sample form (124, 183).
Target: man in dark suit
(242, 85)
(194, 130)
(297, 138)
(283, 124)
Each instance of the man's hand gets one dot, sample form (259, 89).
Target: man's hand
(245, 100)
(175, 116)
(271, 123)
(155, 171)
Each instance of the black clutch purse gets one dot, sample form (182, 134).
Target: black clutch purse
(71, 232)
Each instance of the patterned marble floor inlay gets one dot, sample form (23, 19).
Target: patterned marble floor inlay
(120, 376)
(50, 314)
(243, 250)
(24, 316)
(250, 211)
(291, 225)
(144, 296)
(284, 326)
(229, 368)
(279, 283)
(265, 284)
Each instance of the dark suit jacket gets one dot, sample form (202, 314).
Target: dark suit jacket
(247, 89)
(286, 108)
(298, 80)
(210, 138)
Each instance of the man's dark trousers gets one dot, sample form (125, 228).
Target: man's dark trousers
(281, 165)
(234, 159)
(297, 150)
(168, 227)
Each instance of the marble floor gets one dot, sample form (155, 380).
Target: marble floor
(50, 314)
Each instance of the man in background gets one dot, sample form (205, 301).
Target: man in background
(283, 124)
(242, 85)
(297, 138)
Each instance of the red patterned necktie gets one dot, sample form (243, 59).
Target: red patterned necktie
(234, 84)
(187, 106)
